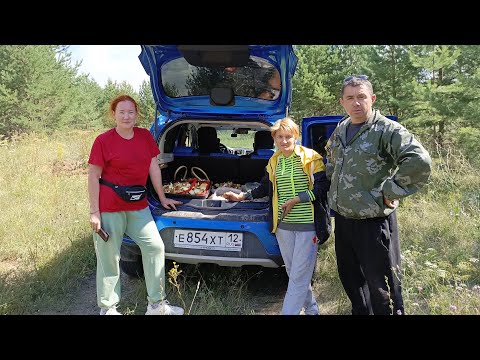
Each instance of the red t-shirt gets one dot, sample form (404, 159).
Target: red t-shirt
(123, 162)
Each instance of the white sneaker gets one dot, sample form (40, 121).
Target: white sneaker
(163, 308)
(109, 311)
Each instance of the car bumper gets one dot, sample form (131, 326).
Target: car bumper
(222, 261)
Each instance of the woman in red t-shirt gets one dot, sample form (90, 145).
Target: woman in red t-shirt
(126, 155)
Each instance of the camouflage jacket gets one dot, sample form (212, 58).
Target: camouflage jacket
(383, 158)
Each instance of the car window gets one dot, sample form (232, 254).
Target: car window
(241, 141)
(259, 79)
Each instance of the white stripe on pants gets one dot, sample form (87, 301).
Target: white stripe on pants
(299, 252)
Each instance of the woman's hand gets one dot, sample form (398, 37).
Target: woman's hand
(95, 221)
(170, 203)
(231, 196)
(288, 205)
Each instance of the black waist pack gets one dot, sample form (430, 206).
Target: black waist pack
(128, 193)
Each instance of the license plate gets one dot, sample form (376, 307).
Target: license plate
(209, 240)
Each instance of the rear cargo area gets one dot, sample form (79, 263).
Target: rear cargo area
(242, 171)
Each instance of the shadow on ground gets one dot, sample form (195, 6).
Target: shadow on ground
(255, 290)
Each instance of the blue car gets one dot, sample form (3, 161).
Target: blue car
(215, 104)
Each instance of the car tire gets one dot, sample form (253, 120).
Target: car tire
(132, 268)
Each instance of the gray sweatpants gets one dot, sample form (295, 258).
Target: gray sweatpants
(299, 252)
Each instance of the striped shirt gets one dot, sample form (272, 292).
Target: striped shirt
(291, 180)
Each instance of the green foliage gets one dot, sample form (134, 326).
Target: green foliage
(433, 89)
(437, 91)
(35, 87)
(468, 140)
(82, 112)
(147, 105)
(319, 75)
(469, 78)
(391, 72)
(40, 90)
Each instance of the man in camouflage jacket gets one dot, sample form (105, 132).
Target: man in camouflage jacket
(372, 163)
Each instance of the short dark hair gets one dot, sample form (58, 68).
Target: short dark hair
(356, 81)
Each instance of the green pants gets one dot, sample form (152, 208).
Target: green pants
(141, 228)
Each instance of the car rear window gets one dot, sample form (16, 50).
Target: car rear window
(180, 79)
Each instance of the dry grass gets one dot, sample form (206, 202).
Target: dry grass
(46, 250)
(45, 233)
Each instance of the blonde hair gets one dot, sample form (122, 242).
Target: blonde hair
(285, 125)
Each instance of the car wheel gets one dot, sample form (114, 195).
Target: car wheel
(132, 268)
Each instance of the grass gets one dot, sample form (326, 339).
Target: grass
(45, 243)
(46, 249)
(209, 289)
(439, 231)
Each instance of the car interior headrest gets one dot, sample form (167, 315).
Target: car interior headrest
(263, 140)
(207, 140)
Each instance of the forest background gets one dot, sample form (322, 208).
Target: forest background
(433, 89)
(50, 114)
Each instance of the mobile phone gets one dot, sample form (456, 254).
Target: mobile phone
(103, 234)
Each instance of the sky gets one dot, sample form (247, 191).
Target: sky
(117, 62)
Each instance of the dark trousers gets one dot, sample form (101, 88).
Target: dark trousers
(368, 263)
